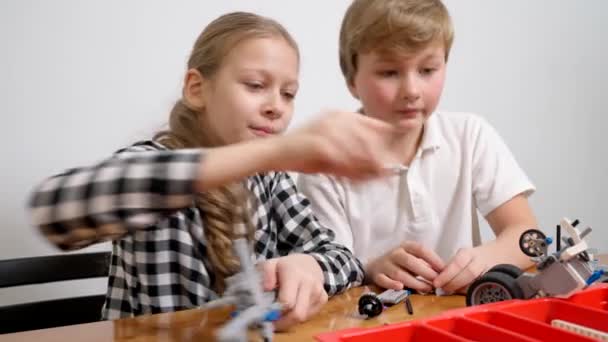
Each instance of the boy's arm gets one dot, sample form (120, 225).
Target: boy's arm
(500, 190)
(301, 232)
(508, 222)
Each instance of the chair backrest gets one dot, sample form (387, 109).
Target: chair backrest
(47, 269)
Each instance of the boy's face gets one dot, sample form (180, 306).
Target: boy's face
(400, 89)
(252, 94)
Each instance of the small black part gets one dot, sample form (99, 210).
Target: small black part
(558, 237)
(370, 305)
(408, 306)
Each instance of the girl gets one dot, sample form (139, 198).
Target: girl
(172, 208)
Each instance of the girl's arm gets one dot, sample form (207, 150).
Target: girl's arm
(139, 185)
(326, 196)
(135, 188)
(301, 232)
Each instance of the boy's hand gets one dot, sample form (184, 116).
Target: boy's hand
(299, 280)
(466, 266)
(401, 266)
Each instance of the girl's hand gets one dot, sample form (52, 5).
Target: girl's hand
(299, 280)
(410, 265)
(342, 144)
(466, 266)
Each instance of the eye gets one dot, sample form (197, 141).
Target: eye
(254, 85)
(388, 73)
(289, 95)
(427, 71)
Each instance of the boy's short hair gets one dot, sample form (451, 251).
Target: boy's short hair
(392, 25)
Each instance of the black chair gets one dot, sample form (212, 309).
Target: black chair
(47, 269)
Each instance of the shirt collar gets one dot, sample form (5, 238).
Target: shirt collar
(431, 141)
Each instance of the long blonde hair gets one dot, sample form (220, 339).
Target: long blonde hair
(223, 210)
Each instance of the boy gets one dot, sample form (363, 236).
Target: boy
(418, 228)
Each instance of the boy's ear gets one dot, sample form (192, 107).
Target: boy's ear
(194, 94)
(352, 89)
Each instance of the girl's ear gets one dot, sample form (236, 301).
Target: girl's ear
(193, 90)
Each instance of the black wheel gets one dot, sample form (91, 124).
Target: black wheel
(509, 269)
(493, 287)
(532, 243)
(370, 305)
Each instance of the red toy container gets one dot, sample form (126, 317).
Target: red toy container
(513, 320)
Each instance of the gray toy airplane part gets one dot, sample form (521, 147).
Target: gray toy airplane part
(254, 307)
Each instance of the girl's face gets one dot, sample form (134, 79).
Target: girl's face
(252, 94)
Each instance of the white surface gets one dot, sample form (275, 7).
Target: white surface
(79, 79)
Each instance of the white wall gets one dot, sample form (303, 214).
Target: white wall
(81, 78)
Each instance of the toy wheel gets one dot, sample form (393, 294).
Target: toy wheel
(509, 269)
(370, 305)
(532, 242)
(493, 287)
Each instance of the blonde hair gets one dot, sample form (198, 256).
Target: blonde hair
(224, 210)
(392, 25)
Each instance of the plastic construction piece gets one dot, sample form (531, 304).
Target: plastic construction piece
(370, 305)
(254, 307)
(580, 329)
(559, 274)
(392, 297)
(517, 321)
(440, 292)
(408, 305)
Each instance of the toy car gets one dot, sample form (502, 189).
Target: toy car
(558, 274)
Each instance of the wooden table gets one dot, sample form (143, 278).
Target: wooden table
(198, 325)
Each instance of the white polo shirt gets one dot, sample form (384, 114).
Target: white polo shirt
(461, 166)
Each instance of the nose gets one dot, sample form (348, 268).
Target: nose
(410, 88)
(273, 107)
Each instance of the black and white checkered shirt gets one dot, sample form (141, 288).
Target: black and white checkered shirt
(142, 198)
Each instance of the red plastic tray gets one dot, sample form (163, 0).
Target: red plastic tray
(513, 320)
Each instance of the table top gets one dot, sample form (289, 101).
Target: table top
(199, 325)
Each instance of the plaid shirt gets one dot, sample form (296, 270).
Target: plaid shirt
(142, 198)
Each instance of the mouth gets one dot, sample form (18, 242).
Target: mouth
(262, 131)
(409, 112)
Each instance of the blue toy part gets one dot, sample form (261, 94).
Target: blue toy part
(273, 315)
(597, 274)
(548, 240)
